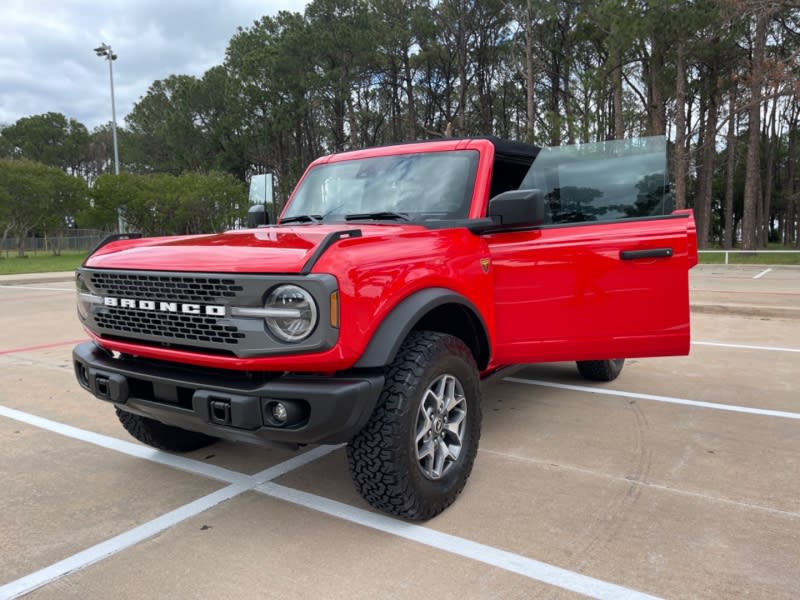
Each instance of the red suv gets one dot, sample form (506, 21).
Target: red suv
(395, 280)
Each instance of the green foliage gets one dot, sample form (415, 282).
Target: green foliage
(269, 68)
(51, 139)
(714, 257)
(6, 149)
(171, 126)
(167, 205)
(37, 197)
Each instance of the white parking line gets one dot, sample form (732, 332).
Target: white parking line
(667, 399)
(241, 483)
(746, 346)
(181, 463)
(508, 561)
(98, 552)
(760, 275)
(131, 449)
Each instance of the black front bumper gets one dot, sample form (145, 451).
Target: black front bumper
(228, 404)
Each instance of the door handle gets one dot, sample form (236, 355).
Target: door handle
(649, 253)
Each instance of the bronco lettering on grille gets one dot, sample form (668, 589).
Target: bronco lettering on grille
(212, 310)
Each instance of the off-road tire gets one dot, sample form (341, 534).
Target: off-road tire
(164, 437)
(383, 456)
(600, 370)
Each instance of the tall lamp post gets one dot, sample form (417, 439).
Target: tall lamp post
(104, 51)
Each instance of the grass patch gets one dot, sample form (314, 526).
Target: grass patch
(42, 262)
(717, 257)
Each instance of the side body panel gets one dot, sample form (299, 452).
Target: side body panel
(374, 279)
(567, 293)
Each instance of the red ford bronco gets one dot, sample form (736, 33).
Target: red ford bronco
(395, 280)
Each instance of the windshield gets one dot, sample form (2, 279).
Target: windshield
(422, 186)
(618, 179)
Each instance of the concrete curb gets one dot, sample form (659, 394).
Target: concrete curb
(31, 279)
(35, 281)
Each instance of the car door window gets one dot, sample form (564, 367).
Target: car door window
(605, 181)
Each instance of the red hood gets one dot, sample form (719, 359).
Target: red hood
(282, 249)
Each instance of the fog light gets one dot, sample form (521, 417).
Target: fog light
(284, 413)
(279, 412)
(83, 374)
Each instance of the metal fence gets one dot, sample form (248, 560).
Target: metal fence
(72, 240)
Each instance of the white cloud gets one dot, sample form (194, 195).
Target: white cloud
(47, 63)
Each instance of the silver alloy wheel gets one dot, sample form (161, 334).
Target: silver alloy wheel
(441, 423)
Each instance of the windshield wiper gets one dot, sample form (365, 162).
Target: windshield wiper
(302, 219)
(383, 215)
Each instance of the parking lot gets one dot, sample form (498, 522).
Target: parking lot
(681, 479)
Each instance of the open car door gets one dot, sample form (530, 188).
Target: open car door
(605, 276)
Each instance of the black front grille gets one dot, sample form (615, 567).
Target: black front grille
(165, 287)
(192, 311)
(169, 326)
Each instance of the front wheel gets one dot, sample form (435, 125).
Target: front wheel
(600, 370)
(415, 454)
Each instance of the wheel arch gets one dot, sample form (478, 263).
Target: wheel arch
(433, 309)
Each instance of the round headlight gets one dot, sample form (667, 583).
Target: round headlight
(299, 313)
(85, 298)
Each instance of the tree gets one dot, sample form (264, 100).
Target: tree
(401, 25)
(272, 74)
(351, 73)
(6, 149)
(166, 126)
(341, 44)
(166, 204)
(36, 196)
(67, 197)
(110, 194)
(51, 139)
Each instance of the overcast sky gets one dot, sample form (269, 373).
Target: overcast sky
(47, 63)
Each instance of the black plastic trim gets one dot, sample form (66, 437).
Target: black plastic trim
(499, 229)
(257, 342)
(648, 253)
(338, 405)
(326, 243)
(479, 226)
(386, 340)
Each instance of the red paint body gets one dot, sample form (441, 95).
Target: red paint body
(550, 293)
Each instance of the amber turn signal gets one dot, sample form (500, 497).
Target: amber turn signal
(334, 309)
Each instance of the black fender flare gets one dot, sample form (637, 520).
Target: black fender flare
(389, 335)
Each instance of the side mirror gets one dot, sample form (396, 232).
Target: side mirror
(517, 208)
(257, 216)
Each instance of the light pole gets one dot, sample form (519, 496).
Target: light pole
(104, 50)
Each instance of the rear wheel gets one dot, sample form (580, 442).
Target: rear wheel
(600, 370)
(164, 437)
(414, 455)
